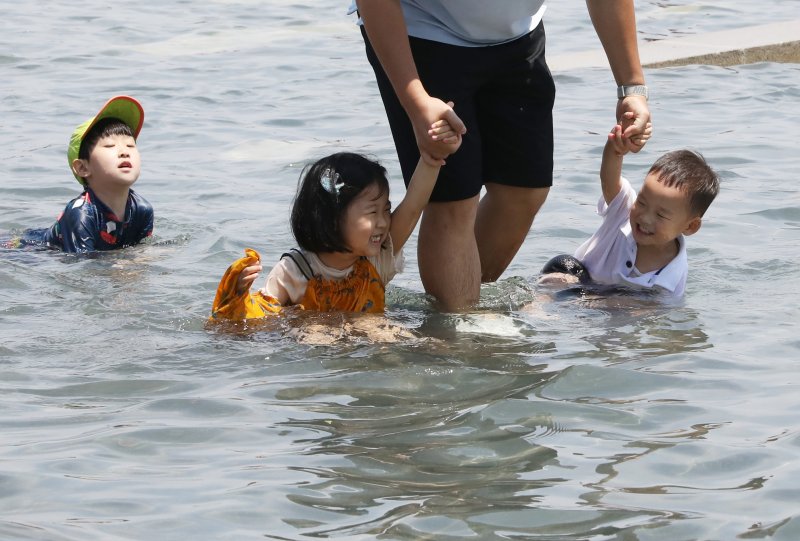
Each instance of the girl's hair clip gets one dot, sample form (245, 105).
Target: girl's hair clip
(331, 182)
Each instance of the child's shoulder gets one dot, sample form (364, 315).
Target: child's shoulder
(139, 205)
(80, 204)
(298, 261)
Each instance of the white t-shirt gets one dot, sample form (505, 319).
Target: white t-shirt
(286, 278)
(610, 254)
(470, 23)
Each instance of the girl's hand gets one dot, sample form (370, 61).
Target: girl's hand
(442, 131)
(247, 277)
(423, 116)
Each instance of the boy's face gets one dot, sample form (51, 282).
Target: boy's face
(661, 214)
(114, 162)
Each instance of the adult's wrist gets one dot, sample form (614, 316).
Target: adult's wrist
(413, 96)
(623, 91)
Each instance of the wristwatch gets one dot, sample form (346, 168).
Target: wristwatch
(631, 90)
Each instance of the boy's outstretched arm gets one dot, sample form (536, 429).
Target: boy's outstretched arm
(611, 165)
(613, 153)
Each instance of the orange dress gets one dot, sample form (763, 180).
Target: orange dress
(361, 291)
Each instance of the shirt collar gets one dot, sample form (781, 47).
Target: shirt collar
(669, 276)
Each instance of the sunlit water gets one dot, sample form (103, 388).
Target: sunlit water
(538, 416)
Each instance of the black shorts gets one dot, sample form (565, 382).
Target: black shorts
(503, 93)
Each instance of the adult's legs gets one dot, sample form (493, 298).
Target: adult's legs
(464, 243)
(447, 253)
(504, 217)
(505, 99)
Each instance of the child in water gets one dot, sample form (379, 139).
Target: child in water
(350, 241)
(640, 243)
(103, 157)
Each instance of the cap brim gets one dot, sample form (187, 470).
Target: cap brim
(124, 108)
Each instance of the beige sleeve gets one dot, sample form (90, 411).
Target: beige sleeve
(285, 281)
(387, 264)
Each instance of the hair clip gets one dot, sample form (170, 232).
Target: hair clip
(331, 182)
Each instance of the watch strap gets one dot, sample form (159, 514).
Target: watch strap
(631, 90)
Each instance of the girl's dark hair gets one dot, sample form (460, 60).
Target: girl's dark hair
(689, 172)
(104, 127)
(317, 213)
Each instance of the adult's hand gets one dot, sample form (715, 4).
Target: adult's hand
(615, 23)
(423, 115)
(386, 28)
(635, 123)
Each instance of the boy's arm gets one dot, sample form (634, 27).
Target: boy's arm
(611, 166)
(407, 213)
(146, 216)
(78, 229)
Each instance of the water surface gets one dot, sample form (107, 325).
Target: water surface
(535, 417)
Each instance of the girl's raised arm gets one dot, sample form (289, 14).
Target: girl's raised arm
(407, 213)
(418, 193)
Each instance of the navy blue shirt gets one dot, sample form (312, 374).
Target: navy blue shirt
(88, 225)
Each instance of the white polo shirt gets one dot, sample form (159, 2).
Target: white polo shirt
(610, 254)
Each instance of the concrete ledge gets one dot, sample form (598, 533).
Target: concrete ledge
(775, 42)
(783, 52)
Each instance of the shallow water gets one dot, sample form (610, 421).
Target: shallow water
(538, 416)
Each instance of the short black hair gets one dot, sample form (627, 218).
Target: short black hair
(103, 128)
(688, 171)
(317, 213)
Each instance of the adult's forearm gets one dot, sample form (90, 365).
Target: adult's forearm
(615, 24)
(387, 33)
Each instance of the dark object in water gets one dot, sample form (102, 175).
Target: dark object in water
(567, 264)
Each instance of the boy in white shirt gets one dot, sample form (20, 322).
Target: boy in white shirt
(640, 243)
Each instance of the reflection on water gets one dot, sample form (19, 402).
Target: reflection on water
(536, 416)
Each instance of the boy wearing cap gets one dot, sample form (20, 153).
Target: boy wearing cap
(103, 157)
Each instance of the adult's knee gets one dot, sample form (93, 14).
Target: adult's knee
(516, 197)
(454, 217)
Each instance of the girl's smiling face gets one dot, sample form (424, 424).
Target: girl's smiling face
(660, 214)
(365, 222)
